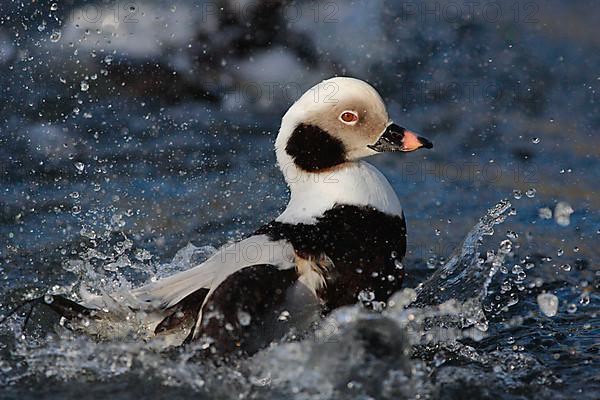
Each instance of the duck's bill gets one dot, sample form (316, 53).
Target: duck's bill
(397, 138)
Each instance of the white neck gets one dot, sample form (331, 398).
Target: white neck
(354, 183)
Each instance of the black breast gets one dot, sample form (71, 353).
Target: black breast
(364, 244)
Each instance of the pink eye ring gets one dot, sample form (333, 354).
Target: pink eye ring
(349, 117)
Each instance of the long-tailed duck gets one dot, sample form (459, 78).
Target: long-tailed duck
(340, 239)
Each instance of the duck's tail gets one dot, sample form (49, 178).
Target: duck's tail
(103, 318)
(68, 309)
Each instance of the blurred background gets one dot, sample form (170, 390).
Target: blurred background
(134, 128)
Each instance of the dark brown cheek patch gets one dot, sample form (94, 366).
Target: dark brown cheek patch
(313, 149)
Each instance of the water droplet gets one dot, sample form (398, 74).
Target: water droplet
(531, 193)
(512, 235)
(521, 276)
(88, 232)
(572, 308)
(505, 246)
(560, 252)
(48, 298)
(516, 269)
(80, 166)
(143, 255)
(566, 267)
(517, 194)
(482, 326)
(284, 316)
(366, 296)
(584, 300)
(84, 86)
(545, 213)
(244, 318)
(562, 213)
(535, 140)
(55, 36)
(108, 59)
(53, 7)
(548, 304)
(575, 249)
(431, 262)
(398, 264)
(513, 299)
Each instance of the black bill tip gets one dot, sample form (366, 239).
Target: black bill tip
(425, 142)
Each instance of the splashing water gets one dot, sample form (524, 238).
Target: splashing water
(466, 276)
(353, 353)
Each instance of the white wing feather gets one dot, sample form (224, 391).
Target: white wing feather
(139, 311)
(258, 249)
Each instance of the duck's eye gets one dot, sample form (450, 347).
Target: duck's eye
(349, 117)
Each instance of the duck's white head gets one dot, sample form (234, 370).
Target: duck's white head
(337, 122)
